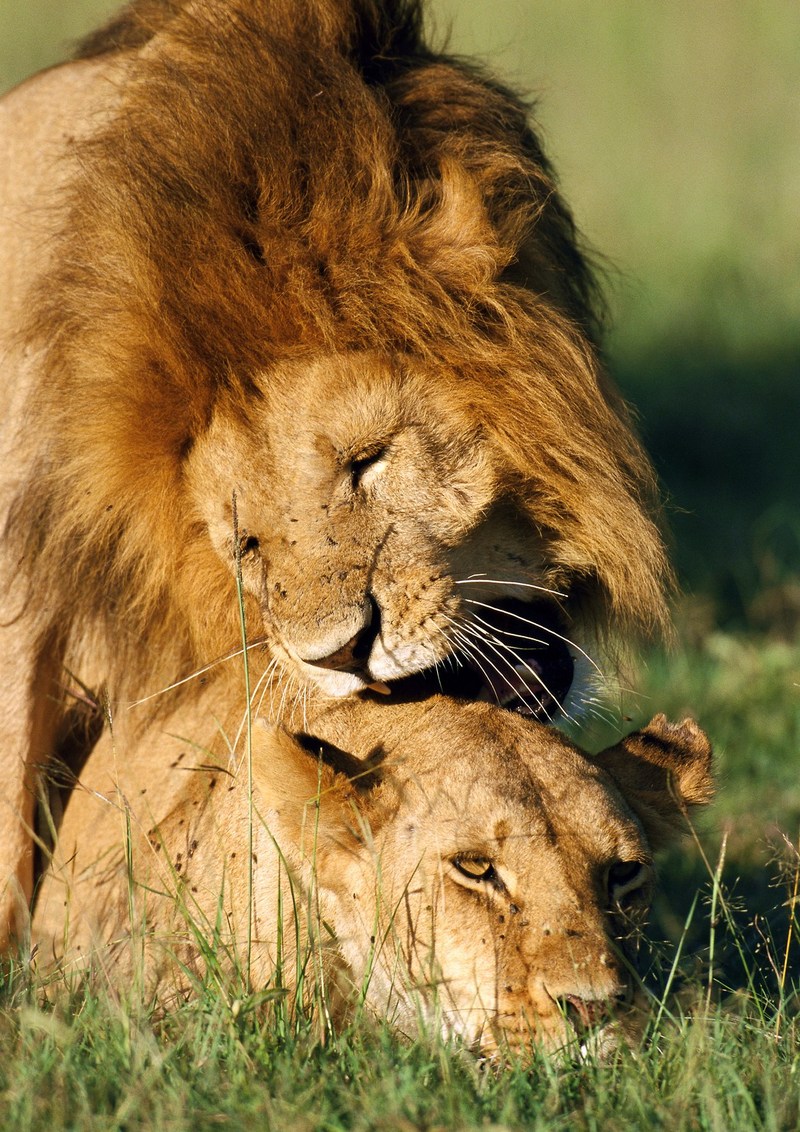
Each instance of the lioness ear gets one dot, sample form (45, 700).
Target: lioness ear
(314, 803)
(661, 771)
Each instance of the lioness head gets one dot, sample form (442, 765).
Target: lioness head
(499, 876)
(456, 860)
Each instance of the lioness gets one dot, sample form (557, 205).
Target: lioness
(466, 863)
(288, 297)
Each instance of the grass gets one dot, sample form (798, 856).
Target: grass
(746, 691)
(92, 1062)
(723, 1051)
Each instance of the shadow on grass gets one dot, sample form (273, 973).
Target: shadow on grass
(741, 943)
(725, 439)
(724, 435)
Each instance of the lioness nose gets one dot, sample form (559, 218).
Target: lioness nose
(353, 655)
(584, 1014)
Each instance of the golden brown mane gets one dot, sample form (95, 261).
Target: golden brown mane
(338, 187)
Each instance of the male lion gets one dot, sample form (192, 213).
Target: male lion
(468, 863)
(290, 298)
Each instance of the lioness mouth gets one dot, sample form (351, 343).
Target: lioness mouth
(512, 653)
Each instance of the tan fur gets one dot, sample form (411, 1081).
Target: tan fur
(290, 235)
(371, 844)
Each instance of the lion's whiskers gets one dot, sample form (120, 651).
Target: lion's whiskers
(449, 660)
(594, 707)
(536, 625)
(287, 687)
(467, 638)
(263, 683)
(473, 657)
(476, 620)
(584, 701)
(482, 580)
(260, 684)
(496, 645)
(257, 643)
(300, 700)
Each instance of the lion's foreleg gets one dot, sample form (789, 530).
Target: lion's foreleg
(29, 714)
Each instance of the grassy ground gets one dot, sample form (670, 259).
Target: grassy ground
(102, 1070)
(723, 967)
(676, 129)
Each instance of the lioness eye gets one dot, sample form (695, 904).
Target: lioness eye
(626, 879)
(476, 868)
(360, 466)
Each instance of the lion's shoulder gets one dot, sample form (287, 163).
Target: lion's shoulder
(42, 122)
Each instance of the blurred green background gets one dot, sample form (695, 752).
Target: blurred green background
(676, 130)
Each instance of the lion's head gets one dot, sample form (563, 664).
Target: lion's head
(318, 310)
(466, 863)
(377, 534)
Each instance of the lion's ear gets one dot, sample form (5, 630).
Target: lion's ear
(453, 236)
(662, 771)
(297, 778)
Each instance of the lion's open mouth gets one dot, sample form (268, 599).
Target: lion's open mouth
(512, 653)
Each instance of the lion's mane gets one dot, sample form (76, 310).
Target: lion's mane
(282, 180)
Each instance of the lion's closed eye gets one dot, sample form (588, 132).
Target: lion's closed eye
(367, 466)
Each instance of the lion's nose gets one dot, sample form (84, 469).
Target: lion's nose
(353, 655)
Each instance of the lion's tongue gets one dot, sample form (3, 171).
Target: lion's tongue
(528, 674)
(520, 689)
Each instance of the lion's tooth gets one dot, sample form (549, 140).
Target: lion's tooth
(383, 689)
